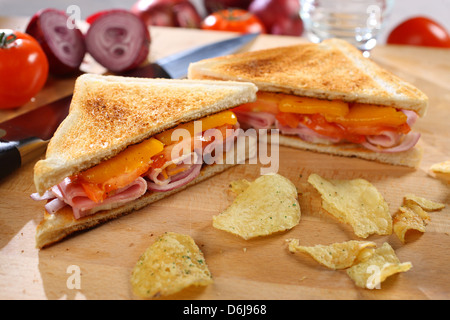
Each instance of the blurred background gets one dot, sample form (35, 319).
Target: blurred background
(438, 10)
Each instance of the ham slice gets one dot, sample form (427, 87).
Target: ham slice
(306, 134)
(406, 143)
(73, 194)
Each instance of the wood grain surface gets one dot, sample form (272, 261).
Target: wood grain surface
(261, 268)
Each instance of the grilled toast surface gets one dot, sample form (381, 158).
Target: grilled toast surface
(109, 113)
(333, 69)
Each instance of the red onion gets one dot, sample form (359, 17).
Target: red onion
(409, 141)
(55, 205)
(411, 117)
(216, 5)
(190, 175)
(63, 45)
(118, 40)
(168, 13)
(279, 16)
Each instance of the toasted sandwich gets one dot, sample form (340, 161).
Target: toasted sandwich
(115, 151)
(326, 98)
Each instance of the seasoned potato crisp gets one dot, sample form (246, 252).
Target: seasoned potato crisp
(355, 202)
(412, 215)
(382, 264)
(442, 170)
(172, 263)
(337, 255)
(262, 207)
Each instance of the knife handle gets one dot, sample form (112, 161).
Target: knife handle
(10, 159)
(15, 153)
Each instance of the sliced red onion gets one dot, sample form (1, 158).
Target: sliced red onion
(55, 205)
(411, 117)
(408, 142)
(46, 196)
(257, 120)
(192, 173)
(61, 40)
(118, 40)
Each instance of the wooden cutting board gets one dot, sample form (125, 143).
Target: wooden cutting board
(261, 268)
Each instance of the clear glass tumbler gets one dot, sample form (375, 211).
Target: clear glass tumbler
(357, 21)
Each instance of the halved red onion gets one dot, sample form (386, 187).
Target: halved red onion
(190, 175)
(118, 40)
(61, 41)
(408, 142)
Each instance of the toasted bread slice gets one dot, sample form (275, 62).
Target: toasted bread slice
(333, 69)
(109, 113)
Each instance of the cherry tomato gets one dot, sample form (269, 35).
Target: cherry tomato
(420, 31)
(23, 68)
(236, 20)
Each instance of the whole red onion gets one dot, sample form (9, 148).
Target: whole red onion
(279, 16)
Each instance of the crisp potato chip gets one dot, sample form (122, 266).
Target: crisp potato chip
(442, 170)
(355, 202)
(405, 220)
(239, 186)
(412, 215)
(425, 204)
(262, 207)
(382, 264)
(337, 255)
(172, 263)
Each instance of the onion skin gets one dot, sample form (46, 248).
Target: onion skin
(58, 67)
(120, 36)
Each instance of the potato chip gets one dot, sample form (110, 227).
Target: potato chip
(442, 170)
(262, 207)
(337, 255)
(355, 202)
(425, 204)
(405, 220)
(382, 264)
(172, 263)
(412, 215)
(239, 186)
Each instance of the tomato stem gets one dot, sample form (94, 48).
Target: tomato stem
(6, 39)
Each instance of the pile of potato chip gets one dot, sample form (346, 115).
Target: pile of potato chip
(269, 205)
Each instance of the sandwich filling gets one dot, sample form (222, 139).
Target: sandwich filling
(374, 127)
(158, 164)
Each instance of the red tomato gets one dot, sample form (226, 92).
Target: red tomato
(236, 20)
(420, 31)
(23, 68)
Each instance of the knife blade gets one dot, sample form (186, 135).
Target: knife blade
(26, 136)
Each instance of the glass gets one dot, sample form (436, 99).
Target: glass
(357, 21)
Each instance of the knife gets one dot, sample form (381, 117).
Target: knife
(25, 137)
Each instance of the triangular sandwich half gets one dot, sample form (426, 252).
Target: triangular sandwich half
(327, 98)
(116, 152)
